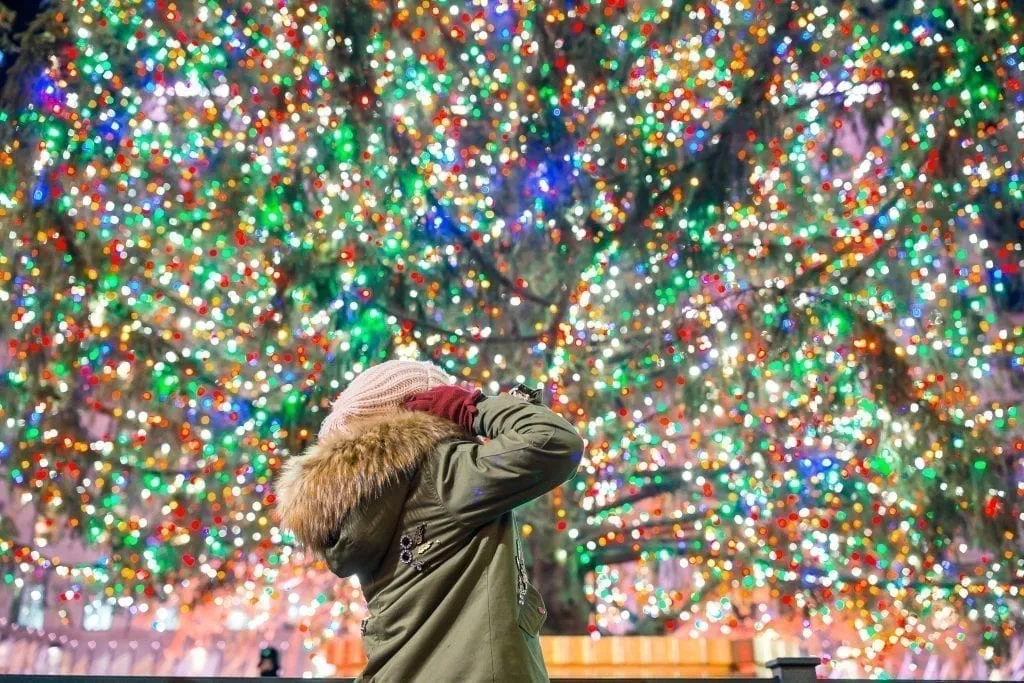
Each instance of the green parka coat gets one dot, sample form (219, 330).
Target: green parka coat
(421, 512)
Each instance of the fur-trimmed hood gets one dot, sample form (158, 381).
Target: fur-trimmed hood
(322, 495)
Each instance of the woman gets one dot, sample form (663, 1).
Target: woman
(400, 491)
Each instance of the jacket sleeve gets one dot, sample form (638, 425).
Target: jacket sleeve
(530, 452)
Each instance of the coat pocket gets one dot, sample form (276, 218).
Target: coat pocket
(532, 613)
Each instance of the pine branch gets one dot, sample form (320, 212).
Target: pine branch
(464, 240)
(671, 478)
(606, 529)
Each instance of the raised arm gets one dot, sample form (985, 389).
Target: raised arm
(530, 451)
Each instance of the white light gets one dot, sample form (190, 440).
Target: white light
(236, 620)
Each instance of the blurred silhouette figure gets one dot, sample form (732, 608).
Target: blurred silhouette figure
(269, 663)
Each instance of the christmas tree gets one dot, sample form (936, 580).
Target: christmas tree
(766, 255)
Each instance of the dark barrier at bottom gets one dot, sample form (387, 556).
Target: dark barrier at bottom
(786, 670)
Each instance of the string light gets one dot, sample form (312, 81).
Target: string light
(764, 255)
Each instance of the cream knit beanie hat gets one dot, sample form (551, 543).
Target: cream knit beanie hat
(380, 390)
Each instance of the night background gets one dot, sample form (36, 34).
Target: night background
(766, 256)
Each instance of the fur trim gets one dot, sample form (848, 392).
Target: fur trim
(316, 490)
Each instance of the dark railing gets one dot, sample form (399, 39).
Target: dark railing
(784, 670)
